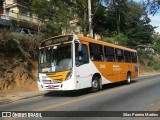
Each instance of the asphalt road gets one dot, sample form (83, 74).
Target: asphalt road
(143, 94)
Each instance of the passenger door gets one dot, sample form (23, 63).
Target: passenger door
(82, 69)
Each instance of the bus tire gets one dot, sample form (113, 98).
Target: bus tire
(128, 80)
(95, 85)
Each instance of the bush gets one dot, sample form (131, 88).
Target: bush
(142, 56)
(121, 39)
(10, 45)
(154, 64)
(109, 40)
(156, 67)
(7, 44)
(29, 45)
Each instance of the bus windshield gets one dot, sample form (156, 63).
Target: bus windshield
(56, 58)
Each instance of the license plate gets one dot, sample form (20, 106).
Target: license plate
(50, 86)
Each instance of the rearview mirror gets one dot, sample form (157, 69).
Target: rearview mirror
(79, 47)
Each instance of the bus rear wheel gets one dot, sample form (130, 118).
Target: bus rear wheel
(95, 85)
(128, 80)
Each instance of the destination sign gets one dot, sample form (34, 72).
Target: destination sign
(57, 40)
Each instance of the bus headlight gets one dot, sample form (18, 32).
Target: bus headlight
(69, 75)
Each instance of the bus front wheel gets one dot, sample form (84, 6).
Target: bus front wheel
(95, 85)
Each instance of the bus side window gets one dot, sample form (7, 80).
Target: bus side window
(134, 57)
(84, 53)
(81, 57)
(127, 56)
(119, 55)
(96, 52)
(109, 54)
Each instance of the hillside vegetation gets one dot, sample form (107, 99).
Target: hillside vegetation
(148, 64)
(18, 63)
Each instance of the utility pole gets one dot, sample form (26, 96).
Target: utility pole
(4, 7)
(90, 19)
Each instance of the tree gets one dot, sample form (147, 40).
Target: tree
(116, 10)
(137, 27)
(152, 6)
(55, 14)
(157, 44)
(121, 18)
(129, 19)
(101, 22)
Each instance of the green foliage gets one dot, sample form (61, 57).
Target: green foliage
(1, 66)
(156, 67)
(142, 56)
(28, 45)
(151, 63)
(121, 39)
(51, 29)
(10, 45)
(157, 45)
(146, 60)
(6, 43)
(154, 64)
(137, 27)
(55, 14)
(109, 39)
(103, 24)
(126, 19)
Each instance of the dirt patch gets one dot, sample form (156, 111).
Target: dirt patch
(17, 75)
(145, 70)
(157, 58)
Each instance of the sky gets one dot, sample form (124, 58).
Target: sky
(155, 20)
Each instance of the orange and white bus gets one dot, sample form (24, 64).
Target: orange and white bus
(73, 62)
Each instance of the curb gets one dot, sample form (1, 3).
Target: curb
(148, 75)
(13, 98)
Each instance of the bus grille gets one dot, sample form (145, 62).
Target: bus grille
(49, 81)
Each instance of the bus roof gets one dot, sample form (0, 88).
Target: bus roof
(82, 38)
(103, 43)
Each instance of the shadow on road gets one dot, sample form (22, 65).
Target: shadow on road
(82, 92)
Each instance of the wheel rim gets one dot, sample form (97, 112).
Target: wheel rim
(95, 84)
(129, 79)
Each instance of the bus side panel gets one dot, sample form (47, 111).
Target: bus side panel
(135, 70)
(84, 74)
(126, 67)
(111, 71)
(123, 71)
